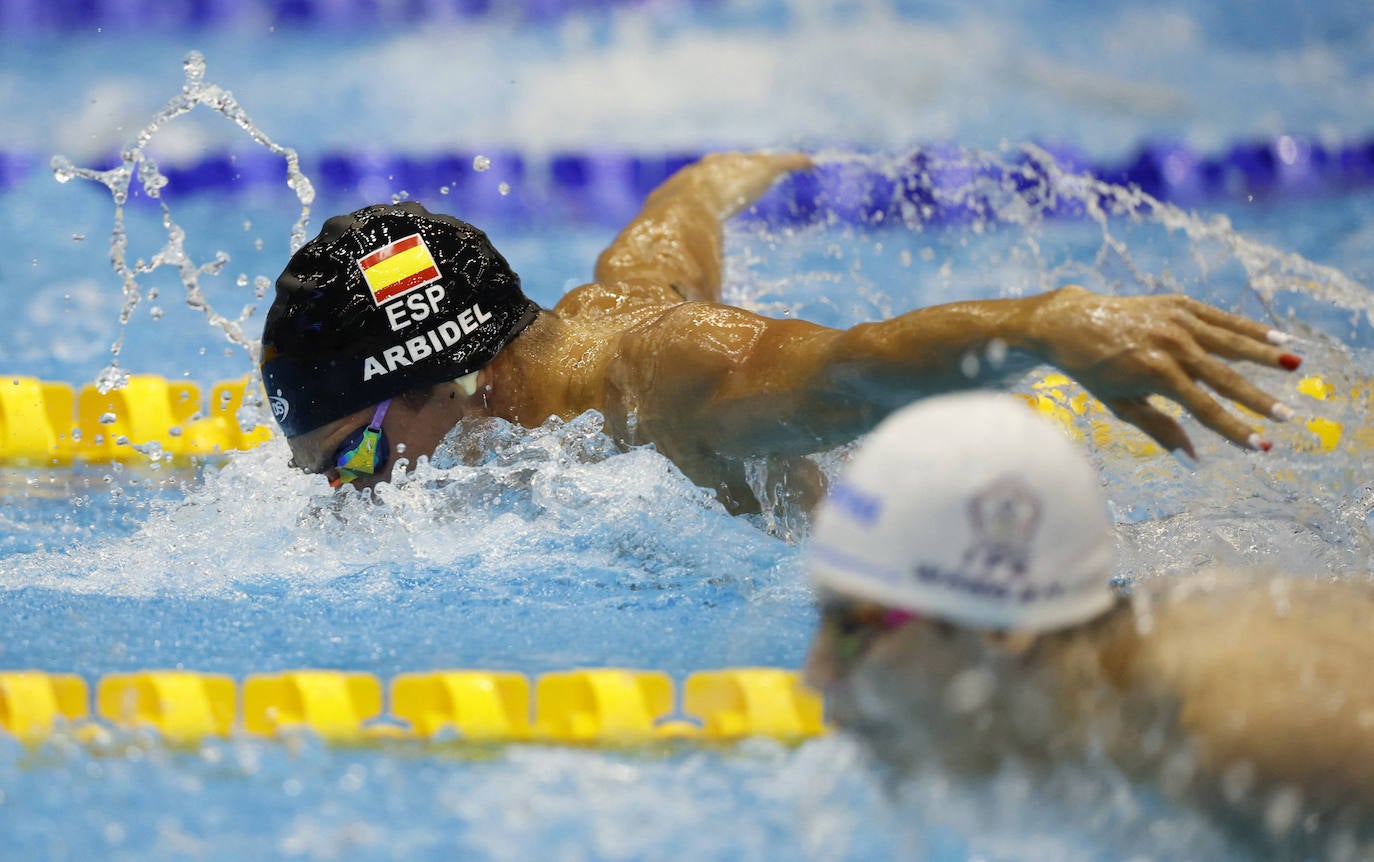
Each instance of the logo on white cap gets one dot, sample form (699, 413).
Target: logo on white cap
(1004, 517)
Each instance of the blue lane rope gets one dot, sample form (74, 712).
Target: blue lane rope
(608, 187)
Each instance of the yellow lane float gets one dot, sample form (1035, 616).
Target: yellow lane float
(586, 706)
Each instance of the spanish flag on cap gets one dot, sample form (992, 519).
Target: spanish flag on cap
(398, 268)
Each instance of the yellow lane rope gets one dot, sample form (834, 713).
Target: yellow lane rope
(595, 706)
(45, 423)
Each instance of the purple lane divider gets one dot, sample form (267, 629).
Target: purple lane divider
(596, 187)
(82, 16)
(939, 183)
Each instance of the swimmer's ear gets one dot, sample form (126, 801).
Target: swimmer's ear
(468, 383)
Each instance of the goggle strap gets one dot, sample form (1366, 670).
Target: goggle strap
(379, 416)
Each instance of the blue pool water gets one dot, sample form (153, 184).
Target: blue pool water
(559, 552)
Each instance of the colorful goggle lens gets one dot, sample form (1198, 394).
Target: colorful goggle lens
(365, 451)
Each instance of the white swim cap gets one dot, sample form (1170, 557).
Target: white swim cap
(970, 508)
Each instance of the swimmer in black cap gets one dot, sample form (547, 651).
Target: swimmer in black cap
(389, 301)
(395, 323)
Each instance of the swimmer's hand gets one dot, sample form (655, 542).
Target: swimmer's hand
(1123, 349)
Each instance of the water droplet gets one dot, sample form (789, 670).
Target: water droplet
(194, 65)
(481, 163)
(997, 353)
(79, 237)
(504, 189)
(108, 418)
(969, 365)
(111, 377)
(443, 190)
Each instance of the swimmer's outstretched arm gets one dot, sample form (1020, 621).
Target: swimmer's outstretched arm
(788, 386)
(676, 239)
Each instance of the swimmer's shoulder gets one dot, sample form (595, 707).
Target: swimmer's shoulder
(1265, 599)
(598, 300)
(1220, 635)
(1280, 649)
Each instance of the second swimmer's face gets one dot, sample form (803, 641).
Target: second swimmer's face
(928, 691)
(874, 672)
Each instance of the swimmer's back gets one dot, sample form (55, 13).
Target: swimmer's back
(1274, 672)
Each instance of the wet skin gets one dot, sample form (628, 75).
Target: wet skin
(1265, 684)
(649, 345)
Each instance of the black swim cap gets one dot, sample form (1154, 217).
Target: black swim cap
(384, 300)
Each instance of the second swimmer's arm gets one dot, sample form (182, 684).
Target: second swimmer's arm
(676, 238)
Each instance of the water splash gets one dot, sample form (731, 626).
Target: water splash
(891, 232)
(1269, 270)
(1025, 188)
(135, 164)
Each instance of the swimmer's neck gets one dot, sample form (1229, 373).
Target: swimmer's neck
(532, 378)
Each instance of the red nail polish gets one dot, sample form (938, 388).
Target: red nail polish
(1265, 445)
(1290, 361)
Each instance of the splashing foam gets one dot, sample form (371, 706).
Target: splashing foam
(505, 505)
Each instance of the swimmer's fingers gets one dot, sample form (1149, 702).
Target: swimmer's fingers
(1229, 344)
(1226, 320)
(1161, 427)
(1209, 412)
(1229, 383)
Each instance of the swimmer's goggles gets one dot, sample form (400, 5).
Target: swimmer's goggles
(854, 626)
(363, 452)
